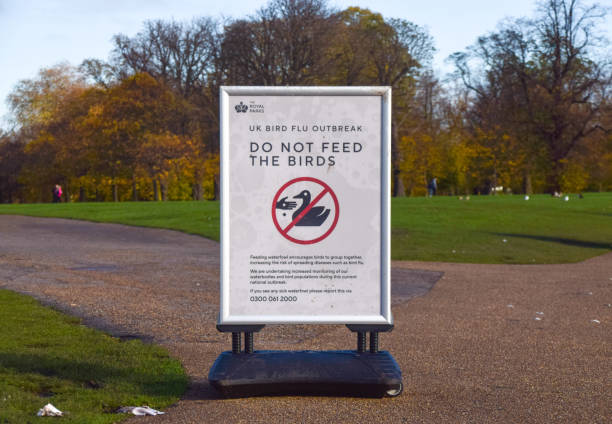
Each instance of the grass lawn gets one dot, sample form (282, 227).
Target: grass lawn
(484, 229)
(502, 229)
(48, 357)
(201, 218)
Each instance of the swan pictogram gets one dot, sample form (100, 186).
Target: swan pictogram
(314, 217)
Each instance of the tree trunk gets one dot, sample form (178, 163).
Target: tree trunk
(494, 183)
(554, 178)
(197, 191)
(527, 188)
(163, 187)
(398, 189)
(155, 193)
(215, 187)
(81, 194)
(410, 189)
(134, 189)
(115, 192)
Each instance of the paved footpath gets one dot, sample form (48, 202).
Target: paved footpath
(467, 337)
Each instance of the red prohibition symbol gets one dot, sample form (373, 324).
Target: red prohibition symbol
(308, 214)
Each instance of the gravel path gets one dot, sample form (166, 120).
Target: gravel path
(489, 343)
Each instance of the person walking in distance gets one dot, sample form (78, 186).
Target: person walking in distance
(57, 193)
(432, 187)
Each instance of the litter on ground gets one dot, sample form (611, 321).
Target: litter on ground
(139, 410)
(49, 411)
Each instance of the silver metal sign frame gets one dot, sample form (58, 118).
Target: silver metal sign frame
(226, 107)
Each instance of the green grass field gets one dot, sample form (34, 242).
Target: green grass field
(484, 229)
(502, 229)
(48, 357)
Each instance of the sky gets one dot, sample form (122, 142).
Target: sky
(35, 34)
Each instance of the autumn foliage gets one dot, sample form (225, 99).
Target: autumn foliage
(528, 109)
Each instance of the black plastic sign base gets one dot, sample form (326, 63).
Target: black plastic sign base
(277, 372)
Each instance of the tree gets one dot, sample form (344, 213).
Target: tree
(12, 157)
(573, 83)
(117, 127)
(177, 54)
(44, 110)
(371, 50)
(283, 44)
(36, 102)
(156, 155)
(543, 83)
(185, 58)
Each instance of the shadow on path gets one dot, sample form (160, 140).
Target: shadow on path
(409, 283)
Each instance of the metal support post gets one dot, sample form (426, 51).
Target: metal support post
(374, 342)
(236, 342)
(248, 342)
(361, 342)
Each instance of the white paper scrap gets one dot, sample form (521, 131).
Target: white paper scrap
(139, 410)
(49, 411)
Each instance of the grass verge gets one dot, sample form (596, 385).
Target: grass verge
(49, 357)
(484, 229)
(201, 218)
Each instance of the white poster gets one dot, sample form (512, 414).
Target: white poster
(305, 205)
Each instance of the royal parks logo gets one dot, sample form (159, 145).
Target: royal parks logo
(252, 107)
(241, 108)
